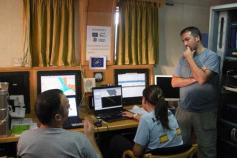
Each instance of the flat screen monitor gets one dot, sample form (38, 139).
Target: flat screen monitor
(69, 81)
(133, 82)
(107, 97)
(73, 107)
(18, 85)
(164, 82)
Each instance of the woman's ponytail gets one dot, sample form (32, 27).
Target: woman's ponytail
(154, 95)
(161, 112)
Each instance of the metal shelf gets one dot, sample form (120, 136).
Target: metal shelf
(231, 58)
(232, 89)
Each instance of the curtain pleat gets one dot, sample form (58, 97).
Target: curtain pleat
(51, 35)
(137, 33)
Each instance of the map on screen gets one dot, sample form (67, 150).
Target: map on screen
(64, 82)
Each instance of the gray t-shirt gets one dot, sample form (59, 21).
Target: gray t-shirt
(196, 97)
(152, 135)
(54, 143)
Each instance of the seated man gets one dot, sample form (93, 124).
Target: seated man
(50, 139)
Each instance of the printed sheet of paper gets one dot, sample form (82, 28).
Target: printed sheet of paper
(98, 41)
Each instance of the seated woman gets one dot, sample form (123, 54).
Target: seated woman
(158, 128)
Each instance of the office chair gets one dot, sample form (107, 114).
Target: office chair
(183, 151)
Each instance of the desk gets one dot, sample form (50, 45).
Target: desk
(117, 125)
(9, 139)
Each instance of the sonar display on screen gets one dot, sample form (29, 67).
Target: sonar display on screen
(133, 84)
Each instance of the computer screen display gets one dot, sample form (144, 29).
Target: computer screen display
(69, 81)
(64, 82)
(107, 97)
(133, 82)
(73, 107)
(164, 82)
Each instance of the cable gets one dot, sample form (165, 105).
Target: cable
(82, 78)
(106, 124)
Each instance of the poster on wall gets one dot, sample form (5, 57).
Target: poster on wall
(98, 41)
(98, 62)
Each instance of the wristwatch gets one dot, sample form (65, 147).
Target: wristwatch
(134, 115)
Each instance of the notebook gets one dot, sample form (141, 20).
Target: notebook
(73, 120)
(107, 102)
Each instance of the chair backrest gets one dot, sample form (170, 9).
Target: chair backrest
(184, 154)
(172, 152)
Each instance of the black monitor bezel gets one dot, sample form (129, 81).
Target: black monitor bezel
(78, 80)
(132, 100)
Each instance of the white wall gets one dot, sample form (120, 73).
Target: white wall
(172, 20)
(11, 32)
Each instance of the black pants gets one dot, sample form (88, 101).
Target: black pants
(118, 145)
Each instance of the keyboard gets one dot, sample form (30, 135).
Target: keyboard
(69, 125)
(77, 124)
(112, 116)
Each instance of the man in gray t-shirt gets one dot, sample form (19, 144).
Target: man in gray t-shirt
(50, 139)
(197, 75)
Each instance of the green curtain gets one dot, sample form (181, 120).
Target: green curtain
(49, 32)
(137, 33)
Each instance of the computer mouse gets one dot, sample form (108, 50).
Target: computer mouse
(98, 123)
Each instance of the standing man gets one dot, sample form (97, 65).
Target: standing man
(197, 76)
(50, 139)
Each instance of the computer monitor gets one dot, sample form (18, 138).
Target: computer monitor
(69, 81)
(18, 84)
(73, 107)
(106, 98)
(164, 82)
(133, 82)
